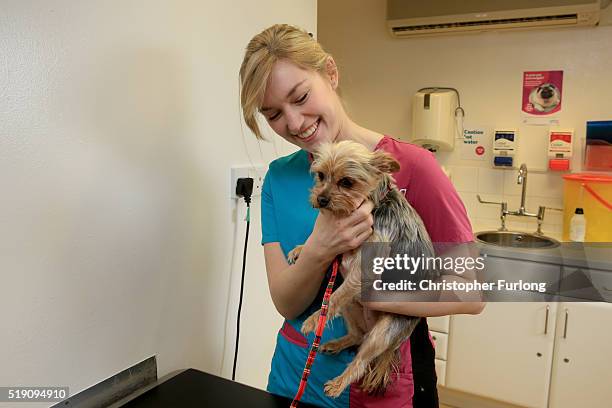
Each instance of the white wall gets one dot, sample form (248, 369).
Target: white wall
(119, 122)
(379, 76)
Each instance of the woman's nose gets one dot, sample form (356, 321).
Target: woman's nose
(294, 122)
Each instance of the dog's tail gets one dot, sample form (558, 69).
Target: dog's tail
(385, 367)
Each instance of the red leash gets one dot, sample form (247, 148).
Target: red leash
(318, 332)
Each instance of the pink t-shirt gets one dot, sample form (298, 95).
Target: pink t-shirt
(429, 191)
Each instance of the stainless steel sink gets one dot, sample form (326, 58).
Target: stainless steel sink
(516, 239)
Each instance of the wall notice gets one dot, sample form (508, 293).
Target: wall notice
(473, 146)
(542, 91)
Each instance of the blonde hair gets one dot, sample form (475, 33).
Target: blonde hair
(280, 41)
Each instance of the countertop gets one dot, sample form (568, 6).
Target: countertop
(593, 255)
(194, 388)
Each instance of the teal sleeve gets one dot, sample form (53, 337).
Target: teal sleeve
(269, 232)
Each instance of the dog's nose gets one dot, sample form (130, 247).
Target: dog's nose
(547, 93)
(323, 201)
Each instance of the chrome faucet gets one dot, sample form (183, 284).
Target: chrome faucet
(521, 212)
(522, 179)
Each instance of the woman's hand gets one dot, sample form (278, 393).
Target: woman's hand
(333, 235)
(293, 287)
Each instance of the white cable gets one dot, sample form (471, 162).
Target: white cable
(459, 123)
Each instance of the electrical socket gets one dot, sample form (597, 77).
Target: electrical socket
(257, 173)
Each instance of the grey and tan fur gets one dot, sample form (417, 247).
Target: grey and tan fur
(346, 174)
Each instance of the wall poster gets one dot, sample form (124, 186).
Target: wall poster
(542, 92)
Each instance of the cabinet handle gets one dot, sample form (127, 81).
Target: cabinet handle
(565, 325)
(546, 321)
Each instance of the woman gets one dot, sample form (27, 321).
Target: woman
(287, 77)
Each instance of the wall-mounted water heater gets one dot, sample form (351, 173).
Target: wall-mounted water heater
(436, 115)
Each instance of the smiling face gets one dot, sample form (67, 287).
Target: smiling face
(301, 105)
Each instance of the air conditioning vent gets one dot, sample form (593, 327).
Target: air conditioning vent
(524, 21)
(408, 18)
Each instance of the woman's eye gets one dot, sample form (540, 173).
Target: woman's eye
(303, 98)
(345, 182)
(274, 117)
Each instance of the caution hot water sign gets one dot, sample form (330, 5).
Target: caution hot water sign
(473, 147)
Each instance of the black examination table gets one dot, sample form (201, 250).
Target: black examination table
(193, 388)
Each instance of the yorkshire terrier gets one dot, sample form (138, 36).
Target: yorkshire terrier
(347, 173)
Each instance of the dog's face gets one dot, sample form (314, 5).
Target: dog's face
(346, 173)
(545, 97)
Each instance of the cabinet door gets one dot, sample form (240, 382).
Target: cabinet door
(505, 353)
(441, 342)
(438, 324)
(440, 371)
(582, 368)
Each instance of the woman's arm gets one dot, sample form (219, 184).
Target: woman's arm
(427, 309)
(431, 303)
(293, 287)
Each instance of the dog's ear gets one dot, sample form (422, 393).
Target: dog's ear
(321, 150)
(384, 162)
(313, 156)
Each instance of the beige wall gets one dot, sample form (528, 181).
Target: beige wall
(380, 74)
(119, 122)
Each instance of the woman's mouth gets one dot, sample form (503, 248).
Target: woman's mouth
(309, 134)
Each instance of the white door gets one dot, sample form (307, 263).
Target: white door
(582, 368)
(505, 353)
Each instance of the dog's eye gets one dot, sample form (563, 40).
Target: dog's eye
(320, 176)
(345, 182)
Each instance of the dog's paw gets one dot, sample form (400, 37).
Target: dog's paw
(294, 254)
(334, 346)
(333, 388)
(310, 324)
(330, 348)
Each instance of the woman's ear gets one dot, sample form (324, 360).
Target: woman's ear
(332, 72)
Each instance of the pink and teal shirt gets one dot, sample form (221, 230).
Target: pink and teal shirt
(288, 218)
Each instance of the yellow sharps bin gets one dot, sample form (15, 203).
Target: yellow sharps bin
(593, 193)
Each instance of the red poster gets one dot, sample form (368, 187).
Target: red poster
(542, 92)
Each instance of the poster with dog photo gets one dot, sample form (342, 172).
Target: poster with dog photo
(542, 92)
